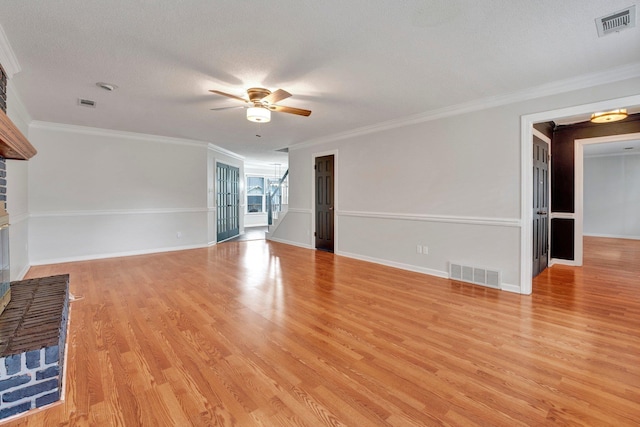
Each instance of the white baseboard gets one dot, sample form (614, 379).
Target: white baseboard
(507, 287)
(23, 272)
(116, 254)
(559, 261)
(288, 242)
(402, 266)
(611, 236)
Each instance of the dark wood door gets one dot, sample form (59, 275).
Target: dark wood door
(540, 205)
(324, 203)
(227, 201)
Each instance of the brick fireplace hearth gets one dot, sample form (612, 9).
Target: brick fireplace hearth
(33, 331)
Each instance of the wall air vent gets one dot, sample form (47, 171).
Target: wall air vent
(86, 103)
(617, 21)
(478, 276)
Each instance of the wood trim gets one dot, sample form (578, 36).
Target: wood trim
(13, 144)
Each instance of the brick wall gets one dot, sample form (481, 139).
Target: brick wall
(29, 380)
(33, 333)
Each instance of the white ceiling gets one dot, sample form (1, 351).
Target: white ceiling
(354, 63)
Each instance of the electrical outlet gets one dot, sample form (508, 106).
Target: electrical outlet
(179, 235)
(425, 250)
(419, 249)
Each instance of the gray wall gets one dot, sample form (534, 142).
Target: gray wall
(449, 183)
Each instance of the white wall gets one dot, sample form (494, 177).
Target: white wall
(612, 196)
(97, 193)
(17, 193)
(450, 182)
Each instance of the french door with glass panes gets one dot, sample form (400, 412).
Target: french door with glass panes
(227, 201)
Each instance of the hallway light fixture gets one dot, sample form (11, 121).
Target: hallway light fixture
(609, 116)
(258, 115)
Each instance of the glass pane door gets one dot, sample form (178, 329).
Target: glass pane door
(227, 201)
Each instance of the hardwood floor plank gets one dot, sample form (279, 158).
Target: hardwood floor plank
(258, 333)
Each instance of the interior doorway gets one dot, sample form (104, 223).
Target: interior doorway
(324, 203)
(526, 200)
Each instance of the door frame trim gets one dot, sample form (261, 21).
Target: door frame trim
(545, 138)
(526, 178)
(312, 240)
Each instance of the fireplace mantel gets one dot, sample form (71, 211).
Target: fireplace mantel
(13, 144)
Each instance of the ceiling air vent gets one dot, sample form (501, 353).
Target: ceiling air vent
(86, 103)
(617, 21)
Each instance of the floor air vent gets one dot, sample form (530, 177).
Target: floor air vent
(617, 21)
(478, 276)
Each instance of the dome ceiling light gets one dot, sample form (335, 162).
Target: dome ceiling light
(609, 116)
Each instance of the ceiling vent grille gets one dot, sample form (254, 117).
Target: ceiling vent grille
(86, 103)
(617, 21)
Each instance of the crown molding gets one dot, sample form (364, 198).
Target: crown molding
(224, 151)
(7, 56)
(561, 86)
(85, 130)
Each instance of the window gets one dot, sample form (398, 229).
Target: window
(255, 194)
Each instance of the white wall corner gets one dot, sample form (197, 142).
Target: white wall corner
(23, 272)
(7, 56)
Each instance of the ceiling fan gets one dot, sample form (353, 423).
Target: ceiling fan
(261, 103)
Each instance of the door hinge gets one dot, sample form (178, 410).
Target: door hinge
(315, 234)
(315, 167)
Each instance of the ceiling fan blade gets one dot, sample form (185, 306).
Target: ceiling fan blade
(276, 96)
(226, 108)
(290, 110)
(229, 95)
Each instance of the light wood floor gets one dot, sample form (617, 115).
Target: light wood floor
(258, 333)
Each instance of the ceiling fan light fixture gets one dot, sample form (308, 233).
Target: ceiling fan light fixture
(258, 115)
(609, 116)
